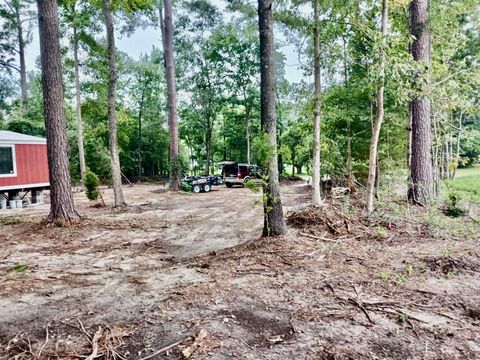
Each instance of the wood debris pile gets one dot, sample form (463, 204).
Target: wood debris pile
(329, 219)
(104, 343)
(450, 266)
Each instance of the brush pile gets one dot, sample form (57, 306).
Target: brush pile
(328, 219)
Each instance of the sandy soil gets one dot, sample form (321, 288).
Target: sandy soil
(191, 270)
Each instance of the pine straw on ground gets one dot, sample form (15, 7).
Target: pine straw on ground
(70, 339)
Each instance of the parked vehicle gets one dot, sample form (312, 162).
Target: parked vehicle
(198, 184)
(240, 174)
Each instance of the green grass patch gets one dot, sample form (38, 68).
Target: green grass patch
(467, 172)
(468, 186)
(20, 267)
(10, 220)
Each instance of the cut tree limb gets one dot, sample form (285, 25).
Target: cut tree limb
(202, 334)
(95, 339)
(166, 348)
(317, 237)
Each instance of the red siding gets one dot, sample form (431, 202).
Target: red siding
(32, 165)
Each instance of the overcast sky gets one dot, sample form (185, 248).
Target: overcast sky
(142, 41)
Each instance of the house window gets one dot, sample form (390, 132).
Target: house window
(7, 161)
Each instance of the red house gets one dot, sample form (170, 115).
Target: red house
(23, 164)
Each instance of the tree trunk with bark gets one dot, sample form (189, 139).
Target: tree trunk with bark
(139, 149)
(373, 160)
(274, 221)
(420, 192)
(457, 153)
(81, 149)
(350, 178)
(409, 137)
(61, 198)
(208, 144)
(316, 196)
(247, 134)
(451, 162)
(167, 37)
(21, 55)
(436, 159)
(446, 157)
(294, 156)
(112, 121)
(247, 124)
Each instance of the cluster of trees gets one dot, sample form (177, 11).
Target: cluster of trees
(387, 84)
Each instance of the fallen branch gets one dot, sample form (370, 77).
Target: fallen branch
(361, 307)
(202, 334)
(474, 219)
(84, 331)
(39, 353)
(244, 343)
(400, 312)
(317, 237)
(95, 339)
(166, 348)
(256, 272)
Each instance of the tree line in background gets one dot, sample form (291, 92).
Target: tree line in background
(388, 85)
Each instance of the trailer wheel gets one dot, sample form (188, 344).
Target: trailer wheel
(196, 189)
(206, 188)
(228, 185)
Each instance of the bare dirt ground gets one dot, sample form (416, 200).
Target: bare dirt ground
(190, 271)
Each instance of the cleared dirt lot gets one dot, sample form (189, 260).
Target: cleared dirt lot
(112, 254)
(173, 266)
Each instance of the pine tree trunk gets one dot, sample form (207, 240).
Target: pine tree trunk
(350, 182)
(247, 124)
(446, 159)
(350, 179)
(21, 54)
(316, 196)
(247, 134)
(451, 162)
(139, 149)
(457, 154)
(81, 151)
(294, 156)
(61, 198)
(436, 160)
(167, 37)
(409, 137)
(224, 138)
(274, 222)
(373, 160)
(112, 121)
(420, 192)
(208, 144)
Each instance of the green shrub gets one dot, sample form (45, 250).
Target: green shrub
(252, 185)
(91, 185)
(186, 186)
(453, 204)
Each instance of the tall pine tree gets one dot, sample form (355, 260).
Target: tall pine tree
(61, 197)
